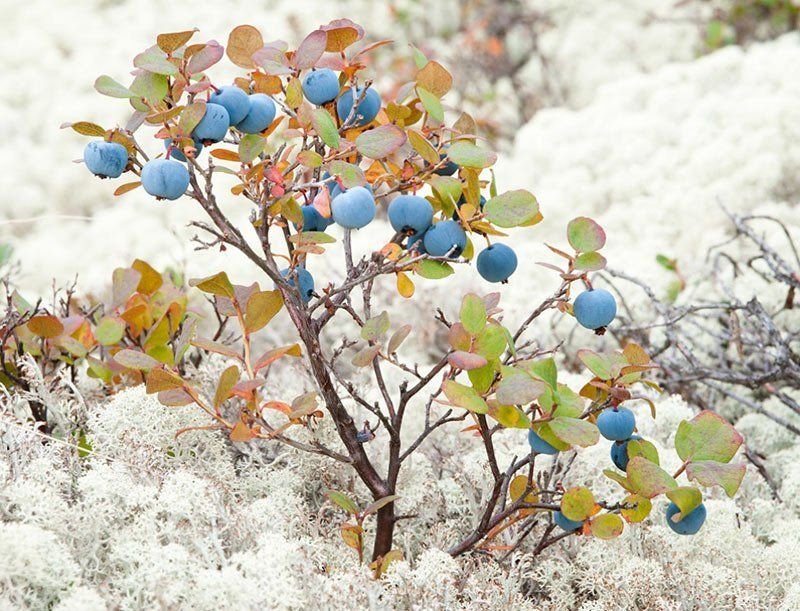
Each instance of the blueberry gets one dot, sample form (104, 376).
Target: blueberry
(539, 445)
(619, 452)
(616, 423)
(214, 124)
(462, 200)
(416, 242)
(690, 524)
(313, 220)
(105, 159)
(177, 153)
(235, 101)
(165, 179)
(306, 282)
(321, 86)
(260, 114)
(353, 209)
(410, 214)
(497, 263)
(444, 237)
(447, 169)
(595, 308)
(366, 111)
(565, 523)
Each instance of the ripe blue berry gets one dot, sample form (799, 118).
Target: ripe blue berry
(177, 153)
(447, 169)
(417, 243)
(565, 523)
(260, 114)
(619, 452)
(366, 110)
(616, 423)
(321, 86)
(497, 263)
(214, 124)
(165, 179)
(410, 214)
(690, 524)
(445, 238)
(313, 220)
(235, 101)
(306, 281)
(353, 209)
(539, 445)
(595, 308)
(105, 159)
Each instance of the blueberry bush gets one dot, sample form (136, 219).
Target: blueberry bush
(317, 150)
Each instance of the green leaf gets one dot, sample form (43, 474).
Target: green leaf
(585, 235)
(483, 377)
(512, 208)
(218, 284)
(110, 330)
(468, 155)
(607, 526)
(325, 127)
(423, 147)
(155, 60)
(309, 159)
(491, 342)
(261, 308)
(433, 270)
(431, 104)
(473, 313)
(643, 448)
(578, 504)
(568, 403)
(509, 416)
(251, 146)
(312, 237)
(380, 142)
(419, 57)
(687, 498)
(647, 478)
(590, 261)
(641, 508)
(707, 436)
(598, 364)
(711, 473)
(375, 327)
(464, 397)
(351, 175)
(574, 431)
(447, 189)
(519, 389)
(108, 86)
(227, 381)
(545, 370)
(150, 86)
(620, 479)
(343, 501)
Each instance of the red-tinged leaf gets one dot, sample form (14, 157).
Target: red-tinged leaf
(435, 78)
(341, 33)
(398, 337)
(372, 47)
(133, 359)
(160, 379)
(364, 357)
(272, 59)
(578, 504)
(607, 526)
(380, 142)
(380, 503)
(212, 346)
(465, 397)
(273, 355)
(128, 186)
(206, 57)
(227, 381)
(707, 436)
(350, 175)
(519, 389)
(124, 282)
(243, 41)
(343, 501)
(310, 50)
(241, 432)
(647, 478)
(174, 40)
(322, 203)
(245, 388)
(585, 235)
(45, 326)
(466, 360)
(711, 473)
(176, 397)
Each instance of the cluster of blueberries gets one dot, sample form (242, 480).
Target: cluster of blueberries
(617, 425)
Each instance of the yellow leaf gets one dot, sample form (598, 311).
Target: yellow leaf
(404, 285)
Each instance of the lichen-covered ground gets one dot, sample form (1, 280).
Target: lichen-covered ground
(649, 139)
